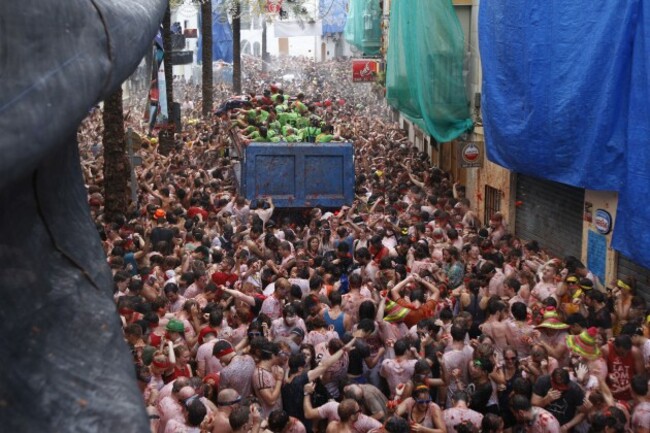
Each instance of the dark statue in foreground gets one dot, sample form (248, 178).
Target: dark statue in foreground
(65, 366)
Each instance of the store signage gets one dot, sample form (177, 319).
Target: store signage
(470, 154)
(364, 70)
(603, 221)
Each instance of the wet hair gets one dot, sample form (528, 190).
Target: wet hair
(513, 283)
(446, 314)
(396, 424)
(532, 246)
(239, 417)
(196, 412)
(278, 420)
(466, 427)
(461, 396)
(366, 325)
(220, 345)
(458, 333)
(521, 386)
(367, 310)
(596, 295)
(346, 409)
(576, 319)
(216, 317)
(491, 423)
(296, 361)
(335, 298)
(401, 347)
(612, 417)
(519, 311)
(623, 342)
(520, 402)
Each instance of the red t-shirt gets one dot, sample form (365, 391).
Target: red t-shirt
(193, 211)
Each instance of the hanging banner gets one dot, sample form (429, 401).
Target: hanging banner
(364, 70)
(470, 154)
(289, 29)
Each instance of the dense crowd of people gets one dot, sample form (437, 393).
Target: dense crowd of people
(399, 313)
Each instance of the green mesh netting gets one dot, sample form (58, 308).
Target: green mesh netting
(363, 26)
(424, 67)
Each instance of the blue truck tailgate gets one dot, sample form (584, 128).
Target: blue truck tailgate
(299, 174)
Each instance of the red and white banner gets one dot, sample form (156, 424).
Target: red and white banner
(364, 70)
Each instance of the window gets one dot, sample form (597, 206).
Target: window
(492, 203)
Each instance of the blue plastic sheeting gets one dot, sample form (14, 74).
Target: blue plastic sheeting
(221, 34)
(565, 94)
(334, 14)
(555, 86)
(631, 233)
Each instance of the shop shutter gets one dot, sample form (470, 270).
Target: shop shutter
(626, 267)
(550, 213)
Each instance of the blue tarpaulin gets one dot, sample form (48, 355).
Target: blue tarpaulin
(565, 93)
(632, 230)
(221, 34)
(334, 14)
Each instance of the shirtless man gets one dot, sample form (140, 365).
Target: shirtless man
(348, 412)
(520, 332)
(535, 419)
(495, 326)
(227, 401)
(547, 286)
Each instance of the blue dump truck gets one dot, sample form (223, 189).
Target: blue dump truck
(297, 175)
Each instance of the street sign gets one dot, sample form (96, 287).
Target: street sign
(470, 154)
(364, 70)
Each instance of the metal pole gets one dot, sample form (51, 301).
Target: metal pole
(129, 146)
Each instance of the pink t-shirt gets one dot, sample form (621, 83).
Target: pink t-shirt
(364, 424)
(263, 379)
(336, 373)
(207, 363)
(641, 416)
(495, 286)
(175, 426)
(457, 415)
(169, 409)
(272, 308)
(457, 359)
(237, 375)
(315, 337)
(164, 391)
(543, 422)
(397, 371)
(352, 300)
(279, 329)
